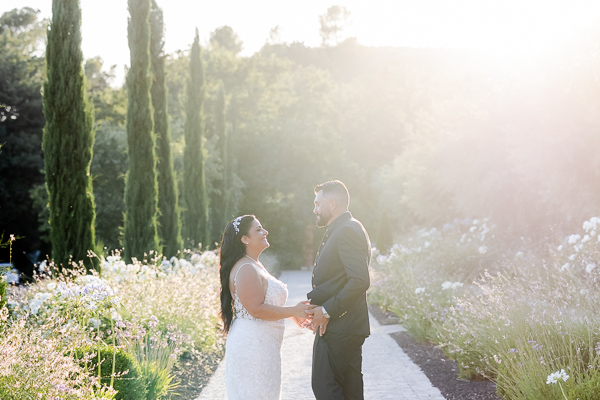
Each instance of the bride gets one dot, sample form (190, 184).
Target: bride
(252, 309)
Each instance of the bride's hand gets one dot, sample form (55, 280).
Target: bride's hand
(299, 309)
(301, 322)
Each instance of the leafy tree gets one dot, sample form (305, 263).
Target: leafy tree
(110, 104)
(110, 162)
(225, 38)
(169, 222)
(21, 126)
(141, 186)
(332, 24)
(68, 139)
(222, 193)
(195, 221)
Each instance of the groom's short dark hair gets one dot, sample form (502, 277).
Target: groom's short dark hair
(335, 188)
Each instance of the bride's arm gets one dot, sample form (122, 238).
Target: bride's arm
(251, 291)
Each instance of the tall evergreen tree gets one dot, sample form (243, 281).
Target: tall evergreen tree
(141, 187)
(169, 223)
(226, 160)
(195, 222)
(68, 139)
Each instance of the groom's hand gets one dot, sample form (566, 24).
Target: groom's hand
(319, 322)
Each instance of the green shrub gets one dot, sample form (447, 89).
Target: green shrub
(588, 387)
(129, 380)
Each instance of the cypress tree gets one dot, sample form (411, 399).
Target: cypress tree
(169, 224)
(68, 139)
(141, 186)
(195, 221)
(224, 142)
(221, 183)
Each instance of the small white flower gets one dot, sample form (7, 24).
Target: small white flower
(456, 285)
(12, 276)
(42, 296)
(381, 259)
(590, 267)
(51, 286)
(559, 248)
(34, 305)
(586, 238)
(574, 239)
(556, 376)
(472, 229)
(519, 255)
(419, 290)
(446, 285)
(42, 266)
(565, 267)
(572, 257)
(483, 249)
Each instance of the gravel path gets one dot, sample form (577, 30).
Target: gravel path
(388, 371)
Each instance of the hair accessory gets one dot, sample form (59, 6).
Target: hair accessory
(236, 224)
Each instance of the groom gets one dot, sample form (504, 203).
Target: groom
(340, 281)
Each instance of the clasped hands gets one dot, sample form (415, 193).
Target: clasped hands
(313, 317)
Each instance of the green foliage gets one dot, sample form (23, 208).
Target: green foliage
(129, 380)
(169, 224)
(222, 192)
(195, 216)
(68, 140)
(141, 186)
(21, 127)
(109, 168)
(588, 387)
(225, 38)
(110, 162)
(384, 239)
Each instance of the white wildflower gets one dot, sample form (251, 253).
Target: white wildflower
(42, 266)
(572, 257)
(419, 290)
(381, 259)
(585, 239)
(34, 305)
(565, 267)
(42, 296)
(51, 286)
(574, 239)
(557, 376)
(590, 267)
(483, 249)
(559, 248)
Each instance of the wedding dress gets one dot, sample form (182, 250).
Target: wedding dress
(253, 347)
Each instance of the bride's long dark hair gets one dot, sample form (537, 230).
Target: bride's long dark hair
(232, 249)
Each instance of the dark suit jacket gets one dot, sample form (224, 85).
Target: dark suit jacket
(341, 276)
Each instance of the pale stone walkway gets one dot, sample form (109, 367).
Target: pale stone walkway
(388, 371)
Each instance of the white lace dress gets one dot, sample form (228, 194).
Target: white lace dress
(253, 348)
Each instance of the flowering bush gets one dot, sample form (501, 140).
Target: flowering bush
(178, 292)
(152, 310)
(516, 318)
(420, 277)
(34, 363)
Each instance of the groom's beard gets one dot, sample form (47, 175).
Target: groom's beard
(323, 219)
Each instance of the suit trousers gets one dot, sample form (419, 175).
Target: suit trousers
(337, 367)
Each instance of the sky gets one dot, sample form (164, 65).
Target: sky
(500, 28)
